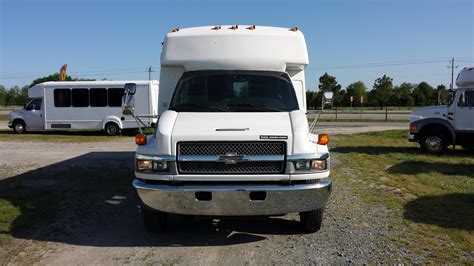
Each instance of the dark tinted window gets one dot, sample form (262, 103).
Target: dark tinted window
(98, 97)
(115, 97)
(470, 98)
(234, 91)
(34, 104)
(80, 97)
(62, 98)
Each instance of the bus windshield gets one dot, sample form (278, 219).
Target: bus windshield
(234, 91)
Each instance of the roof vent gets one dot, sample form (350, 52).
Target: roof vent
(294, 29)
(217, 27)
(251, 27)
(234, 27)
(175, 29)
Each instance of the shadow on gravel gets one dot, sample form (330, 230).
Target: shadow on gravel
(378, 150)
(421, 167)
(100, 133)
(449, 211)
(89, 200)
(375, 150)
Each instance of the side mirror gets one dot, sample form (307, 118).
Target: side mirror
(128, 102)
(130, 88)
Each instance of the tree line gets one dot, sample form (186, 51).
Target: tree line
(18, 96)
(383, 93)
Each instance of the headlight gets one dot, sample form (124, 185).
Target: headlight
(303, 165)
(311, 165)
(151, 166)
(318, 165)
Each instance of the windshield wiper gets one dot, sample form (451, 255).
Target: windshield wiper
(191, 105)
(256, 106)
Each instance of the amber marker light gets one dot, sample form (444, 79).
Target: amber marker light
(140, 139)
(323, 139)
(413, 128)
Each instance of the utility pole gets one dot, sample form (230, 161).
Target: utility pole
(452, 72)
(149, 72)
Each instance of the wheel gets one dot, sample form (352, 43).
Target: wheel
(434, 144)
(111, 129)
(154, 221)
(311, 221)
(19, 127)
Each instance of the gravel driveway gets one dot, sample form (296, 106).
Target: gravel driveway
(92, 218)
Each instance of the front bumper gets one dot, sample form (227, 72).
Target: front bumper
(234, 200)
(411, 137)
(10, 124)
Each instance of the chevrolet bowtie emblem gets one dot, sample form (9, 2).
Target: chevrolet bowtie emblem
(231, 158)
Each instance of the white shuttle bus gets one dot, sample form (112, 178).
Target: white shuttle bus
(83, 105)
(233, 138)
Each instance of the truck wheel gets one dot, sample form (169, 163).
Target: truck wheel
(154, 221)
(312, 220)
(19, 127)
(111, 129)
(434, 144)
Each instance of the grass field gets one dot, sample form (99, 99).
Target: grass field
(431, 198)
(66, 136)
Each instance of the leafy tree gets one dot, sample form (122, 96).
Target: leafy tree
(443, 94)
(356, 89)
(311, 99)
(3, 93)
(401, 95)
(55, 77)
(11, 95)
(383, 89)
(424, 94)
(329, 83)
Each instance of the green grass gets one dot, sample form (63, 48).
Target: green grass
(362, 120)
(71, 136)
(431, 197)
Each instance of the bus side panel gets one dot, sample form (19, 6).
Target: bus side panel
(142, 106)
(60, 118)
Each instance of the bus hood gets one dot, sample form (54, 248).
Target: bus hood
(223, 126)
(174, 127)
(429, 112)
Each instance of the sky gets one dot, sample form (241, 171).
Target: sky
(408, 40)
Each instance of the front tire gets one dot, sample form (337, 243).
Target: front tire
(311, 220)
(19, 127)
(111, 129)
(434, 144)
(154, 221)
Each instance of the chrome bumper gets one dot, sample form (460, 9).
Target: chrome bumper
(235, 200)
(10, 124)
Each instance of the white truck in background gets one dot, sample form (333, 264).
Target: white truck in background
(232, 138)
(83, 105)
(437, 127)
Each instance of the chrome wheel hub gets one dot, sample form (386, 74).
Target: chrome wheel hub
(434, 143)
(19, 128)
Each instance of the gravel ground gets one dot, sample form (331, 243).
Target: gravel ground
(96, 220)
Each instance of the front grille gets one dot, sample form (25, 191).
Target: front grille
(241, 148)
(261, 148)
(265, 167)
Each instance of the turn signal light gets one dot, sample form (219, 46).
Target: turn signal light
(413, 128)
(323, 139)
(140, 139)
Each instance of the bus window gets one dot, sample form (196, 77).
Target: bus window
(80, 97)
(62, 98)
(115, 97)
(98, 97)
